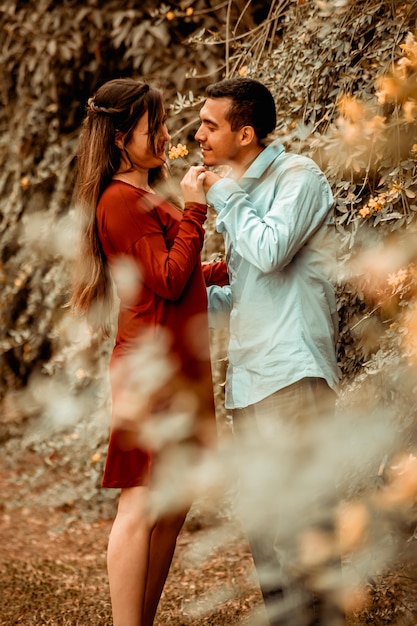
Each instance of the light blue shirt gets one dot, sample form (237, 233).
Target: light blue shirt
(280, 252)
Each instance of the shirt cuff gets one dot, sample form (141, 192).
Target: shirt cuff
(219, 193)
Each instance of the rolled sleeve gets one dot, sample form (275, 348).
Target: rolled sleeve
(219, 306)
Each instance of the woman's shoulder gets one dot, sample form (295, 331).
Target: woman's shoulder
(125, 207)
(123, 199)
(119, 190)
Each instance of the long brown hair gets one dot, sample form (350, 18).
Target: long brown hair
(117, 105)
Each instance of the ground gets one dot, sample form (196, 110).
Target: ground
(54, 525)
(53, 552)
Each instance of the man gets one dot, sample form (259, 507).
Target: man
(274, 210)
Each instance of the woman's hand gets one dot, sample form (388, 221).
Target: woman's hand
(192, 185)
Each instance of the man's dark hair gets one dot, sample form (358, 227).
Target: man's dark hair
(252, 104)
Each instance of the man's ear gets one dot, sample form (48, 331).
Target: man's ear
(247, 135)
(119, 140)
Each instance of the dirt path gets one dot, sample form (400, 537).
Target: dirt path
(54, 526)
(53, 560)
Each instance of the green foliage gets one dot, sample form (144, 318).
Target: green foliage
(322, 62)
(310, 55)
(53, 57)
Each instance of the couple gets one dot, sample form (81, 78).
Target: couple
(274, 210)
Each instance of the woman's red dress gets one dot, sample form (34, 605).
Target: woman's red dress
(159, 247)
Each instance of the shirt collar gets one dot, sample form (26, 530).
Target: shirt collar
(264, 160)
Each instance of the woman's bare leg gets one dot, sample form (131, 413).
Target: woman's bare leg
(128, 556)
(163, 541)
(139, 556)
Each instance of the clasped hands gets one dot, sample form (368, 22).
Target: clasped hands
(196, 182)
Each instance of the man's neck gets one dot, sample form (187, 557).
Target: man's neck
(240, 166)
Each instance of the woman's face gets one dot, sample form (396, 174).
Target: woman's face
(140, 149)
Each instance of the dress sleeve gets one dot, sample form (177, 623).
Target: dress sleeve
(215, 273)
(163, 242)
(166, 270)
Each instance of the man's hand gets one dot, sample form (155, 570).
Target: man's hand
(209, 179)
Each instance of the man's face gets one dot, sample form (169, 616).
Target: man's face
(219, 144)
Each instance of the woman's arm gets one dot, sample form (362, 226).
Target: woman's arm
(215, 273)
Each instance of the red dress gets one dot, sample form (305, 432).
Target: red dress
(161, 354)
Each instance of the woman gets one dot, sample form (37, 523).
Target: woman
(162, 399)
